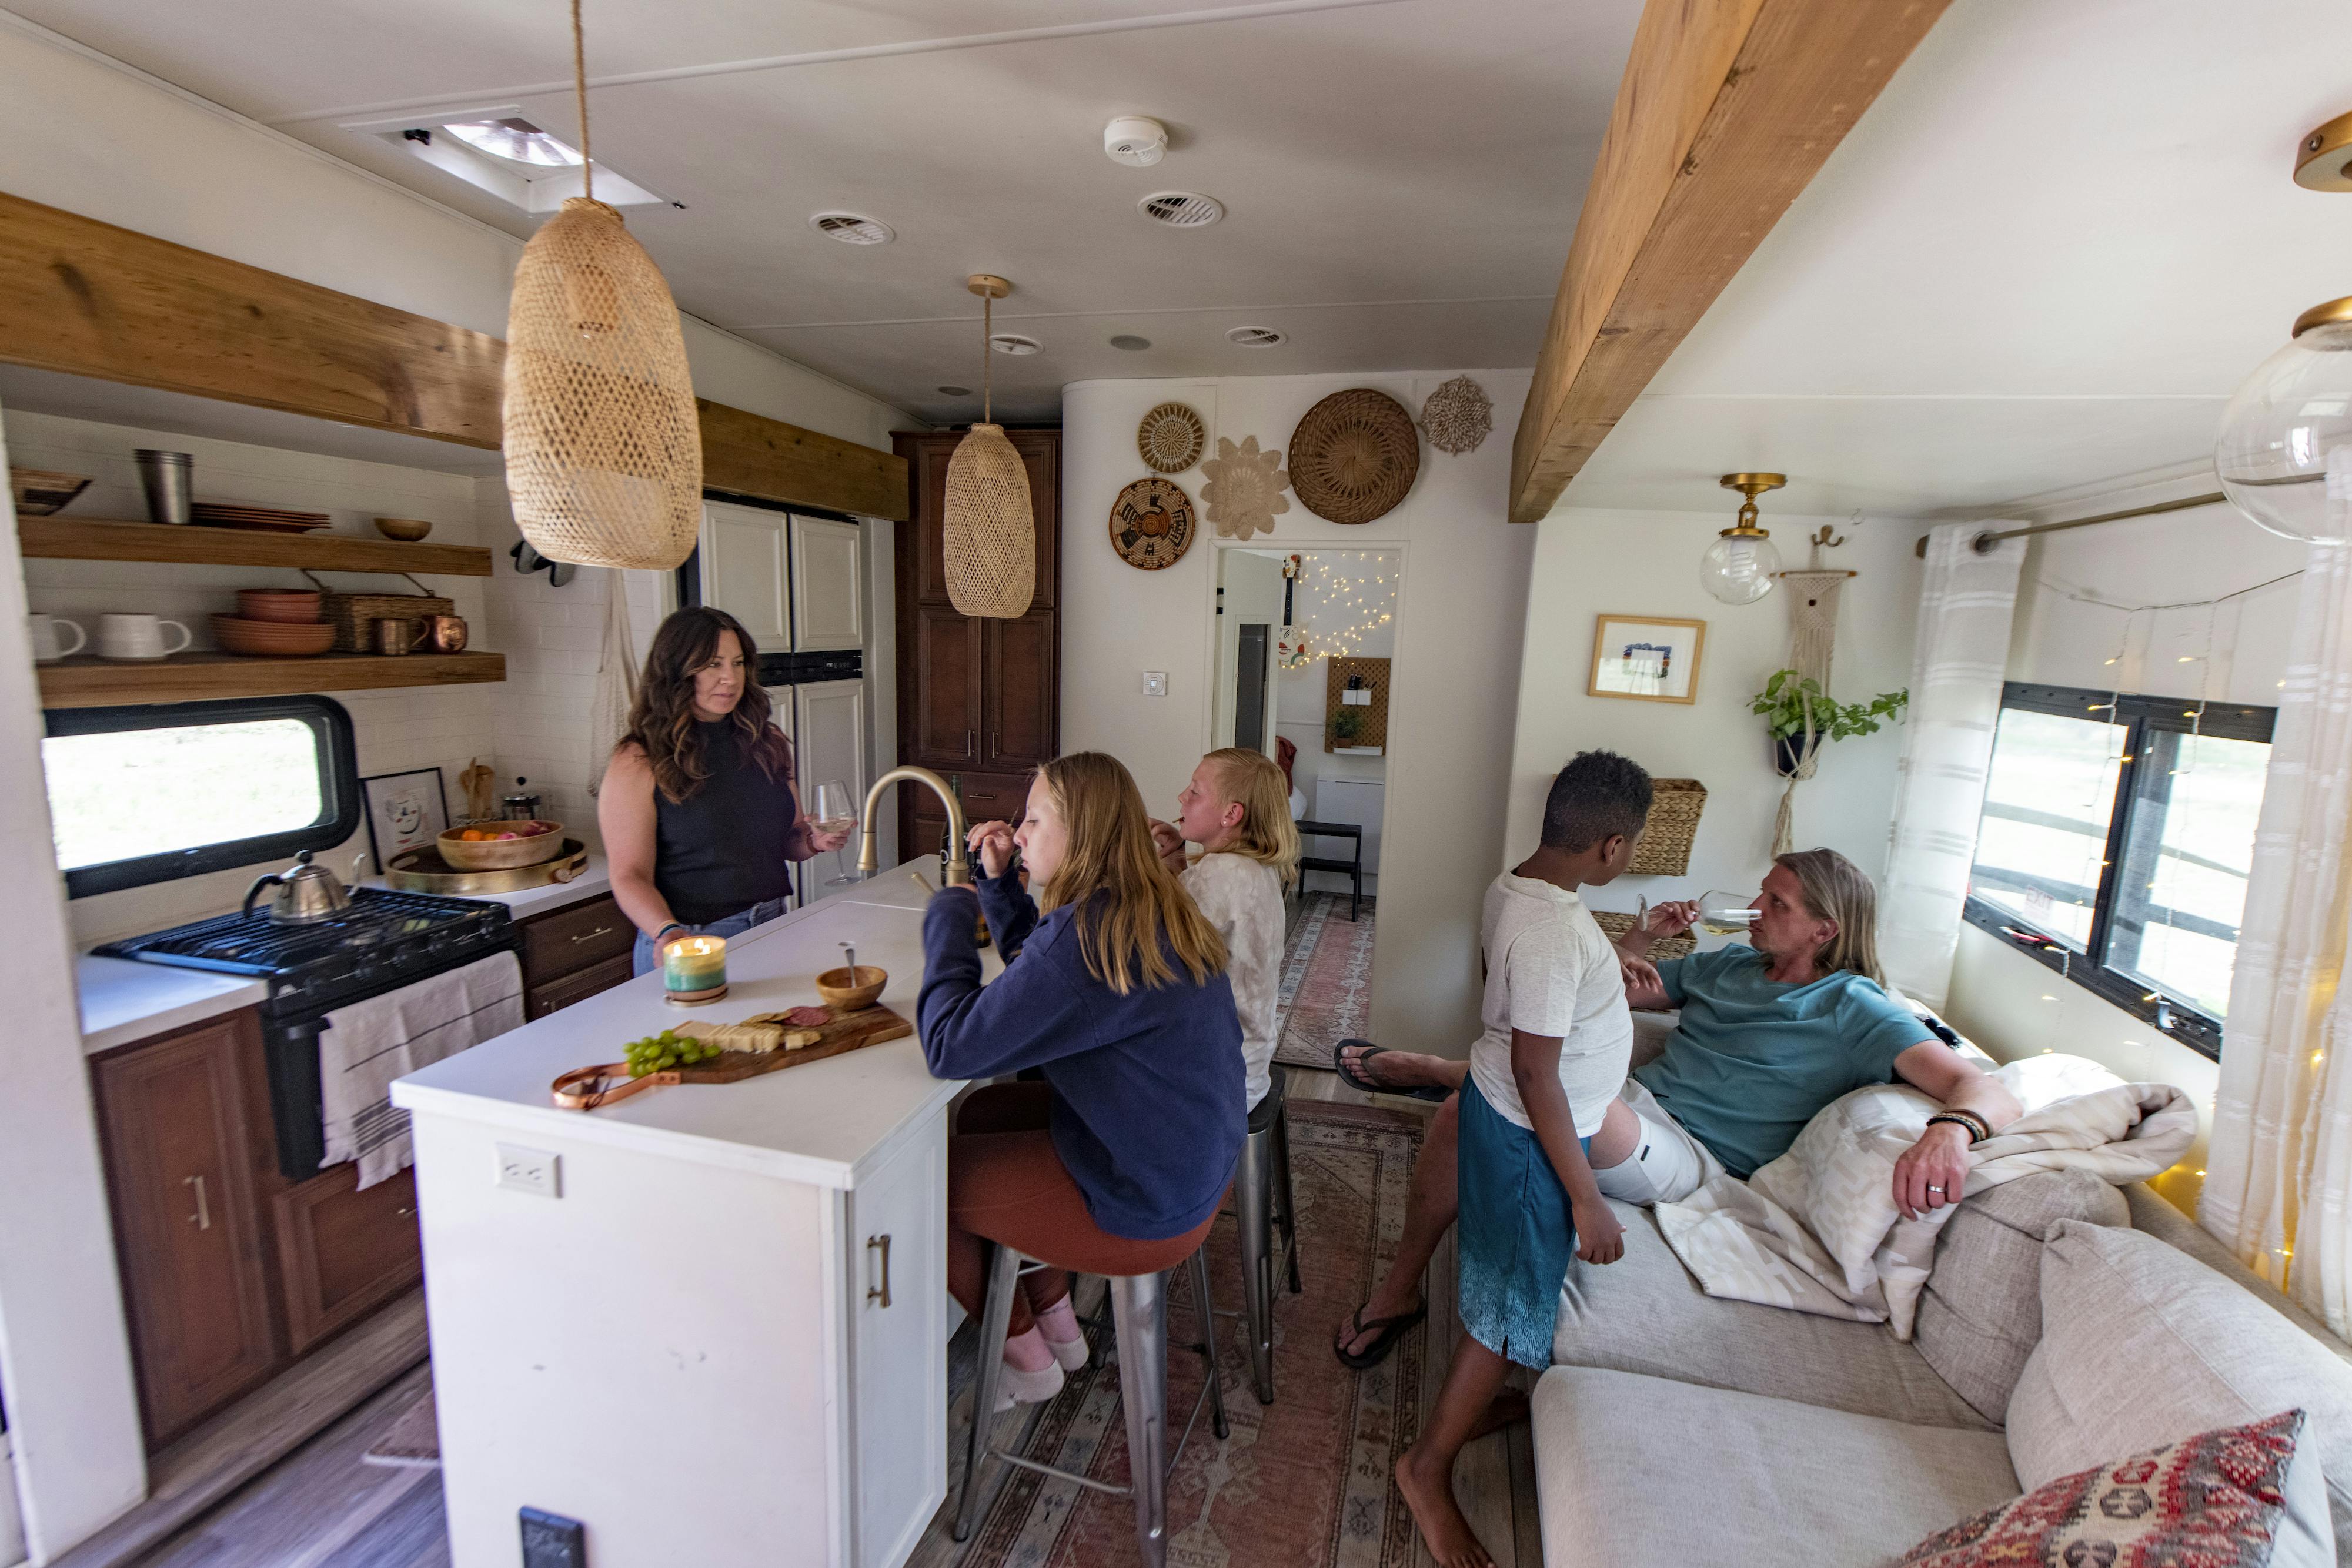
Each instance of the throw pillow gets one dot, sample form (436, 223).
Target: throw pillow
(2214, 1500)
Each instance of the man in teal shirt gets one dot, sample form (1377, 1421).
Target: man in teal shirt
(1770, 1033)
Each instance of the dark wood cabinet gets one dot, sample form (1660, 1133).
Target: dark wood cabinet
(979, 700)
(181, 1158)
(578, 987)
(571, 954)
(343, 1252)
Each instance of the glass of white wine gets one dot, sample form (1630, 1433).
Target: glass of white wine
(836, 812)
(1725, 913)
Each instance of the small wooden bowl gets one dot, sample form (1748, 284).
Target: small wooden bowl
(293, 606)
(407, 531)
(846, 992)
(502, 854)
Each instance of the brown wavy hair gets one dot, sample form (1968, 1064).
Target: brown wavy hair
(662, 721)
(1129, 904)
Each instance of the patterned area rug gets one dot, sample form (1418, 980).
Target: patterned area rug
(1305, 1482)
(1326, 981)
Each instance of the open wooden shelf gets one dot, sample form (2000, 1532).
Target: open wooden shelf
(87, 538)
(210, 678)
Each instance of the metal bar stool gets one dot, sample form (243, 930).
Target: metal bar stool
(1262, 1200)
(1139, 1306)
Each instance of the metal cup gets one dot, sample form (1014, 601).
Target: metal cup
(396, 636)
(166, 476)
(446, 634)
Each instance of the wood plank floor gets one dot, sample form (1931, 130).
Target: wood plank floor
(325, 1507)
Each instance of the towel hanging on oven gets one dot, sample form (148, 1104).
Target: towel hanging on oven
(367, 1045)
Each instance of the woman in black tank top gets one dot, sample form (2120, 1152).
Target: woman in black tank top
(701, 819)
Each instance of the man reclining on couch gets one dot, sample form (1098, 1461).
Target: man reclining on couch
(1770, 1034)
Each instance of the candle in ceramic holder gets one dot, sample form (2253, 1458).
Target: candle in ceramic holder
(693, 970)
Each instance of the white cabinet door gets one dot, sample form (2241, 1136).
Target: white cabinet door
(743, 570)
(829, 588)
(899, 1336)
(828, 743)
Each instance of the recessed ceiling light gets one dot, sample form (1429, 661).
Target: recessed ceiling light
(1181, 209)
(955, 392)
(853, 228)
(516, 140)
(1013, 343)
(1130, 342)
(1254, 337)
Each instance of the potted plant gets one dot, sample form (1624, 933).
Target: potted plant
(1791, 702)
(1346, 725)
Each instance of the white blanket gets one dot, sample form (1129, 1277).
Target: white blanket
(370, 1044)
(1817, 1229)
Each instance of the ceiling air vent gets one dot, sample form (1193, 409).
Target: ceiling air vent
(850, 228)
(1181, 209)
(1254, 337)
(1013, 343)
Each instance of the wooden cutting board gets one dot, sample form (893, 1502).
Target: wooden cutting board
(847, 1032)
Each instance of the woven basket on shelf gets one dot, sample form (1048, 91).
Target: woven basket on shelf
(1666, 846)
(604, 446)
(354, 615)
(990, 532)
(1614, 925)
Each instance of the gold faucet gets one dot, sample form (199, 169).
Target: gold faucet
(957, 869)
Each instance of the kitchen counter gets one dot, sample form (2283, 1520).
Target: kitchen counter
(592, 880)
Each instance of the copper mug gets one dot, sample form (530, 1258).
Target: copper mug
(396, 636)
(445, 633)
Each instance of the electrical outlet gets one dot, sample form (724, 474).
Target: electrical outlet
(1155, 683)
(533, 1171)
(552, 1541)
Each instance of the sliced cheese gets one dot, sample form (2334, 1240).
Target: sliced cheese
(747, 1037)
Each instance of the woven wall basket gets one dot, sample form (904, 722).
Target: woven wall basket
(1664, 847)
(1354, 456)
(1170, 438)
(991, 534)
(604, 448)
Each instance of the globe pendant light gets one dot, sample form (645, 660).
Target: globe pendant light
(604, 447)
(991, 533)
(2278, 431)
(1741, 566)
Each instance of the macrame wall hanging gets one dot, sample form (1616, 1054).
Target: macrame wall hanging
(991, 533)
(1813, 642)
(604, 446)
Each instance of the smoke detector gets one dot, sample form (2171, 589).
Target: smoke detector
(1181, 209)
(1254, 337)
(1135, 141)
(1013, 343)
(852, 229)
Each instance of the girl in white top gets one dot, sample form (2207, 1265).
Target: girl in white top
(1237, 808)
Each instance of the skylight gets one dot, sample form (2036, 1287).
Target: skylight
(518, 140)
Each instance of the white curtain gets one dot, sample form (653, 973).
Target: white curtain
(1966, 602)
(616, 680)
(2280, 1165)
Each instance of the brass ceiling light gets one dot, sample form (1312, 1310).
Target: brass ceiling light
(604, 447)
(1741, 566)
(991, 533)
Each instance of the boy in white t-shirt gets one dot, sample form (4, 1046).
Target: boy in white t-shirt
(1552, 1057)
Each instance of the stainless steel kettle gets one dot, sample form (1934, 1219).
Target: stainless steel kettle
(306, 893)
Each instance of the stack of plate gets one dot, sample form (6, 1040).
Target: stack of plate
(221, 514)
(272, 639)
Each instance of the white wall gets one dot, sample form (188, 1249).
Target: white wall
(1457, 652)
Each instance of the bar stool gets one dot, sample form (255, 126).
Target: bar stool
(1262, 1200)
(1138, 1305)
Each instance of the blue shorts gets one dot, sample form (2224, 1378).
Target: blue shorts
(646, 961)
(1515, 1236)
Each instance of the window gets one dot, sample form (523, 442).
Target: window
(2115, 844)
(139, 795)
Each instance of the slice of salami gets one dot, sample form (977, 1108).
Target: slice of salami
(808, 1018)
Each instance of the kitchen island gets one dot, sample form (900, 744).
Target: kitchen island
(709, 1322)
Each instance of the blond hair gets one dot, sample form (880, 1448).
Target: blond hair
(1142, 906)
(1254, 781)
(1836, 890)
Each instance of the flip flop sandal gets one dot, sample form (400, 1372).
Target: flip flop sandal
(1390, 1331)
(1355, 1080)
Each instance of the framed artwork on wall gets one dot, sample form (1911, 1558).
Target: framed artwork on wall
(404, 811)
(1646, 658)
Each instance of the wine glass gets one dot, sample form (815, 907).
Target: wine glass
(1728, 914)
(836, 812)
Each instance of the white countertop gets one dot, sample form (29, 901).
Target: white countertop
(596, 878)
(816, 1123)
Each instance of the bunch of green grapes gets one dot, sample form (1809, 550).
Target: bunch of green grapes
(660, 1052)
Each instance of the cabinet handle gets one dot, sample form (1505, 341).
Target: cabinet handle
(592, 935)
(995, 746)
(203, 1217)
(403, 1213)
(972, 743)
(881, 1292)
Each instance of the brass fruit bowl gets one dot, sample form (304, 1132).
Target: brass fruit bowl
(500, 855)
(848, 992)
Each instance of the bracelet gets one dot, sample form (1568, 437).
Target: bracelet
(673, 926)
(1967, 1121)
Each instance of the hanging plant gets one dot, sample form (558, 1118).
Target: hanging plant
(1793, 705)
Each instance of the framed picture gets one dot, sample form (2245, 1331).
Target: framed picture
(404, 811)
(1647, 658)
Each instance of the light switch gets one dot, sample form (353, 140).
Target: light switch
(1155, 683)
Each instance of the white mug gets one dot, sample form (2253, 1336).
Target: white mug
(48, 644)
(138, 637)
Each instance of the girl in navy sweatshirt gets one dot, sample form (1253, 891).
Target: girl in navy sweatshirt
(1116, 1163)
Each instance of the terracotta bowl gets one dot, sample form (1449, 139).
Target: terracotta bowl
(407, 531)
(502, 854)
(292, 605)
(847, 992)
(272, 639)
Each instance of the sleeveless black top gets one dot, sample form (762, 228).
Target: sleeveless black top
(728, 846)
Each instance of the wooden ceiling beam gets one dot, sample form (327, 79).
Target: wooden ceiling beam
(87, 299)
(1727, 110)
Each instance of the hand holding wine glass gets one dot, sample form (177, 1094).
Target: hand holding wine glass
(834, 819)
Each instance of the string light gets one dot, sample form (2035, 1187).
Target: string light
(1344, 608)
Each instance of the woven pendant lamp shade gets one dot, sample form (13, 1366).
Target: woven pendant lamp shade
(604, 447)
(991, 533)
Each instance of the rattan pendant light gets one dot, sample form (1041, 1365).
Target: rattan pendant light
(604, 447)
(992, 535)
